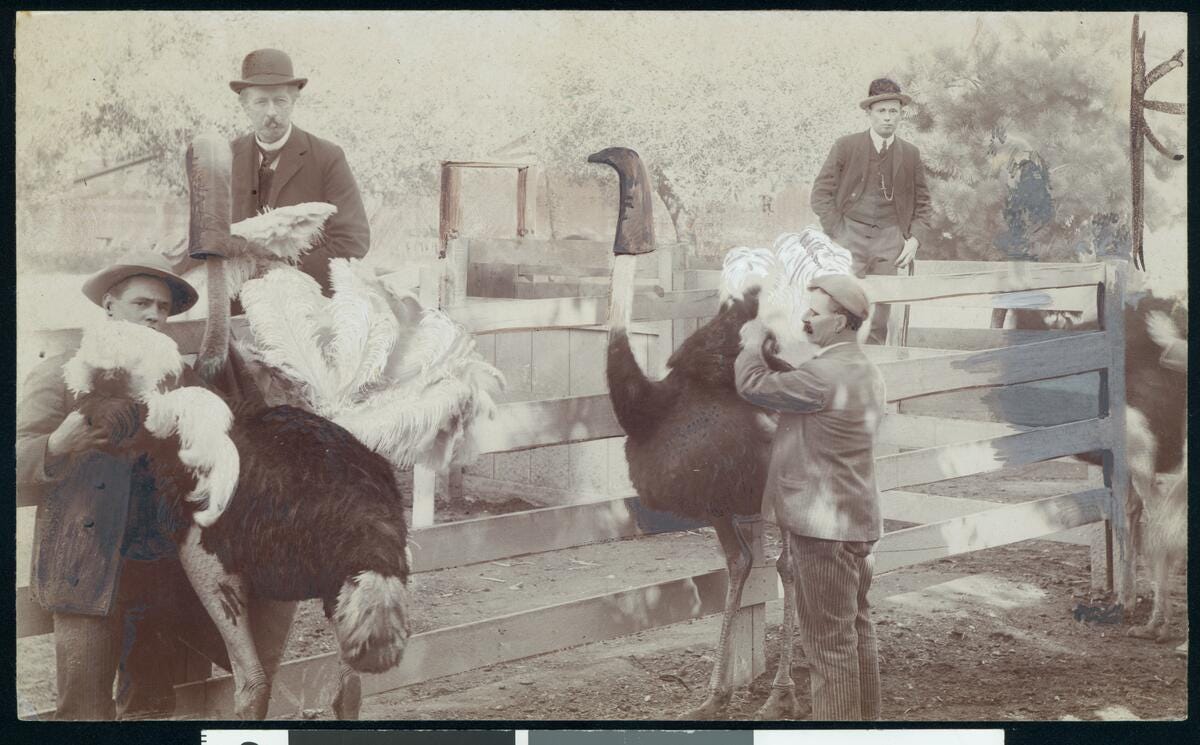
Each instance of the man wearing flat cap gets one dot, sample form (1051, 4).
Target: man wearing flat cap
(97, 528)
(821, 484)
(871, 196)
(278, 164)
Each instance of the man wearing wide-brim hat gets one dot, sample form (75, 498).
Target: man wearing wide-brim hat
(822, 490)
(871, 196)
(96, 529)
(278, 164)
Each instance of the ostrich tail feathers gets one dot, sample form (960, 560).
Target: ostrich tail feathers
(283, 307)
(284, 233)
(371, 621)
(201, 422)
(149, 359)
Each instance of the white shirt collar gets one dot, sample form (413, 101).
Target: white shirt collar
(879, 141)
(823, 350)
(277, 144)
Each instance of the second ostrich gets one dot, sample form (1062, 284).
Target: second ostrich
(694, 447)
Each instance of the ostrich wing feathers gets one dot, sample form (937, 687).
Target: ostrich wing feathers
(364, 329)
(151, 359)
(283, 307)
(284, 232)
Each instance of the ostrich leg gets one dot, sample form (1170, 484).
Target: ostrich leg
(738, 559)
(782, 704)
(224, 597)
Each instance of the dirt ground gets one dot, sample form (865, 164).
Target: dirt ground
(986, 636)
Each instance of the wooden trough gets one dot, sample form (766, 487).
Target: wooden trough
(923, 449)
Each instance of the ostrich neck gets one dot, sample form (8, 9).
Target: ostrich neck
(215, 345)
(620, 308)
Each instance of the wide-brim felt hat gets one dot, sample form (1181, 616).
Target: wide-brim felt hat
(267, 67)
(148, 263)
(884, 89)
(847, 291)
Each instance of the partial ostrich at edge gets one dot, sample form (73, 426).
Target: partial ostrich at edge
(694, 447)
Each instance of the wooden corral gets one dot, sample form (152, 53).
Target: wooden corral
(557, 414)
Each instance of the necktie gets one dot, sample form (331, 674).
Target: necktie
(265, 173)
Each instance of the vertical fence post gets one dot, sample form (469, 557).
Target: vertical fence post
(522, 197)
(747, 639)
(449, 207)
(1112, 406)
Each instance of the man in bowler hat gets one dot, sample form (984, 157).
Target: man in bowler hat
(871, 196)
(278, 164)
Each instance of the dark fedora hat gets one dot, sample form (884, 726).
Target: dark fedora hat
(884, 89)
(141, 263)
(267, 67)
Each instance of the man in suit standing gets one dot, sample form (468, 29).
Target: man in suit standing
(98, 533)
(821, 485)
(871, 196)
(279, 164)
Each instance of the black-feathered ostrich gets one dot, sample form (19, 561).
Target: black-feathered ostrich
(281, 504)
(695, 448)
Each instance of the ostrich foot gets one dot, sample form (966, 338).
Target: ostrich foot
(348, 700)
(712, 708)
(781, 704)
(1151, 630)
(250, 701)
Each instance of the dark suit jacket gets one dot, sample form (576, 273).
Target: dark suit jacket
(842, 181)
(310, 170)
(84, 506)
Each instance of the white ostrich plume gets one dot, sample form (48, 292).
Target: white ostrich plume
(783, 273)
(201, 420)
(150, 358)
(406, 382)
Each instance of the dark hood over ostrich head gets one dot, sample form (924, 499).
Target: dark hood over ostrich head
(635, 221)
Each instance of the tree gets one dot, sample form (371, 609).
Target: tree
(1024, 132)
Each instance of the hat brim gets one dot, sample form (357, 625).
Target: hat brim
(183, 295)
(239, 85)
(903, 99)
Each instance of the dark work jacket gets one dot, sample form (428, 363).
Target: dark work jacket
(843, 180)
(84, 505)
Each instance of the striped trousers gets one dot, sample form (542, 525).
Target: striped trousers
(833, 621)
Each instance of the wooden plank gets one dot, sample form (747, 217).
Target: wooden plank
(911, 507)
(1022, 276)
(187, 335)
(982, 456)
(1041, 403)
(513, 315)
(449, 206)
(32, 619)
(1081, 298)
(921, 374)
(537, 531)
(908, 430)
(491, 280)
(644, 270)
(529, 424)
(953, 338)
(995, 527)
(424, 489)
(457, 649)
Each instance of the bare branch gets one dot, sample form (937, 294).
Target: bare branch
(1165, 106)
(1163, 68)
(1159, 146)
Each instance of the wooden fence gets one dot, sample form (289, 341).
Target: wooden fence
(929, 449)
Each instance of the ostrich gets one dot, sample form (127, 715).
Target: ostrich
(694, 447)
(1156, 442)
(281, 505)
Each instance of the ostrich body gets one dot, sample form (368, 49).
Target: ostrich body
(694, 447)
(313, 512)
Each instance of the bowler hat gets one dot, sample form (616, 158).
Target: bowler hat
(884, 89)
(846, 291)
(267, 67)
(148, 263)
